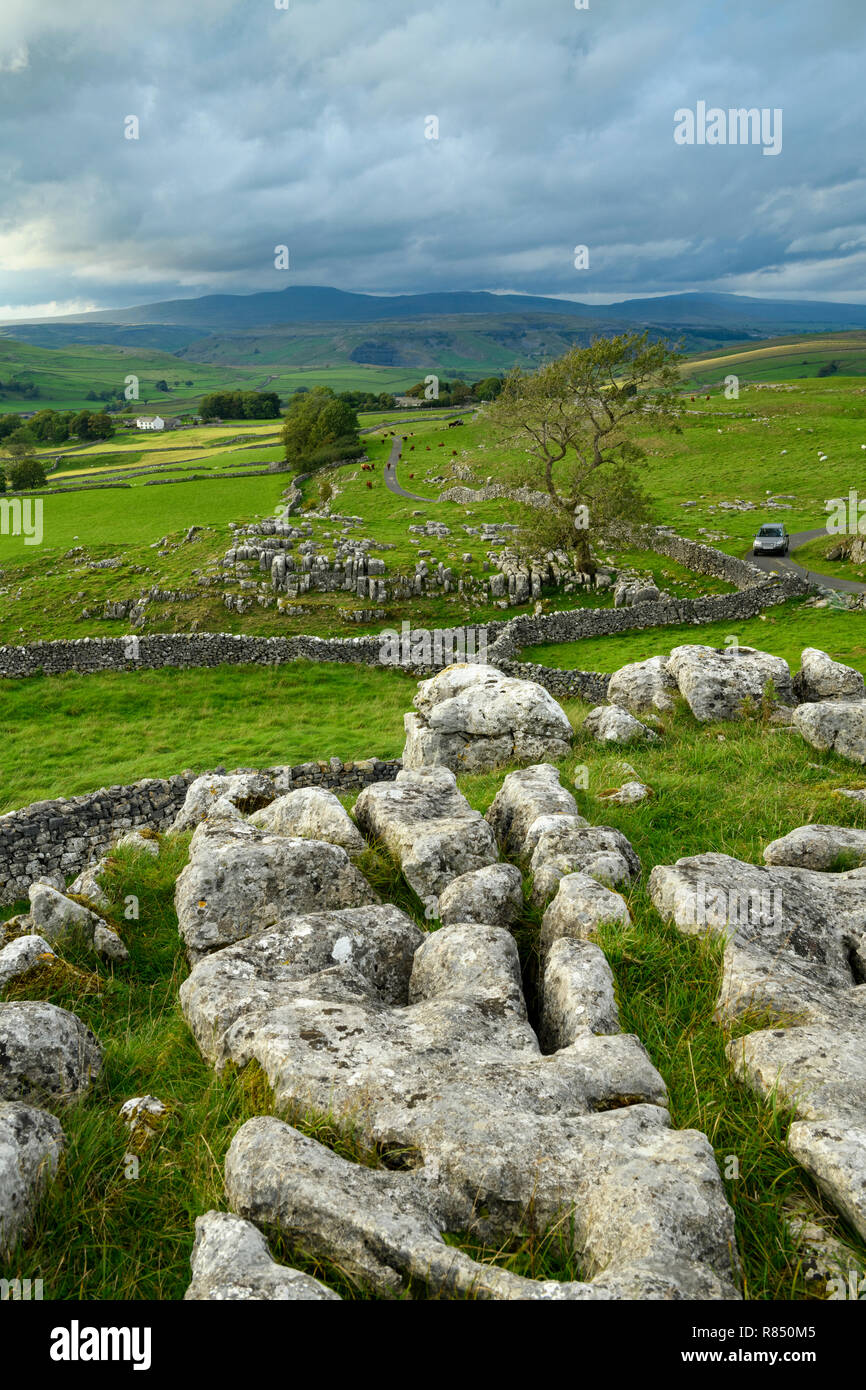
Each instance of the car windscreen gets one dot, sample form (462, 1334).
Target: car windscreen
(770, 531)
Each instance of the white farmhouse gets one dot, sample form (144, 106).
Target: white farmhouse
(150, 422)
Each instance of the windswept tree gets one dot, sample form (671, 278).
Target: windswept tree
(576, 420)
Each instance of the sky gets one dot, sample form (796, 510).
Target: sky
(305, 124)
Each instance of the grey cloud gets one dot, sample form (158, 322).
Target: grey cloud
(306, 127)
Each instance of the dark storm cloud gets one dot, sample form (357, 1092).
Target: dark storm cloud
(306, 127)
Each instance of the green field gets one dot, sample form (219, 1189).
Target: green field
(783, 359)
(767, 440)
(166, 720)
(64, 376)
(141, 515)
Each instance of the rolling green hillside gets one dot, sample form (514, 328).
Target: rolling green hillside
(784, 359)
(64, 376)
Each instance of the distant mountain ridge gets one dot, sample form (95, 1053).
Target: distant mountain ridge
(471, 333)
(324, 304)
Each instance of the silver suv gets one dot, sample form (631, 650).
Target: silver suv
(772, 539)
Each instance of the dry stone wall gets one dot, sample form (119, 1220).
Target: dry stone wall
(63, 835)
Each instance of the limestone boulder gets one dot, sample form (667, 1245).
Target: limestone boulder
(643, 687)
(822, 678)
(429, 827)
(87, 885)
(581, 905)
(349, 953)
(596, 850)
(240, 880)
(611, 724)
(143, 1117)
(135, 840)
(543, 825)
(231, 1261)
(493, 894)
(22, 955)
(524, 797)
(629, 794)
(247, 791)
(819, 847)
(31, 1143)
(55, 916)
(795, 948)
(472, 718)
(108, 945)
(311, 813)
(839, 725)
(46, 1051)
(577, 993)
(716, 681)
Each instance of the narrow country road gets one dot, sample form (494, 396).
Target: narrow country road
(391, 473)
(781, 562)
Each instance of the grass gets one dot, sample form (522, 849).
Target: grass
(766, 441)
(77, 733)
(115, 519)
(64, 376)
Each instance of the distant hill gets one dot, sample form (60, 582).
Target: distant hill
(322, 304)
(467, 333)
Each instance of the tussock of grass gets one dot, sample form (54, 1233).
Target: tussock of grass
(535, 1255)
(51, 975)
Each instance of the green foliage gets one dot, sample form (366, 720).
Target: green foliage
(318, 428)
(24, 469)
(576, 421)
(240, 405)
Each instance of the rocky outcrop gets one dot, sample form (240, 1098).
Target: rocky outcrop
(821, 678)
(241, 880)
(490, 1128)
(716, 681)
(472, 718)
(429, 827)
(839, 725)
(795, 948)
